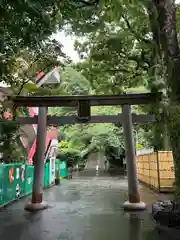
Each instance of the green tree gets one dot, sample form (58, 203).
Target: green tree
(155, 44)
(26, 32)
(26, 48)
(122, 55)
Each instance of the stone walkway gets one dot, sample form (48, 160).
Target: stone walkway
(85, 208)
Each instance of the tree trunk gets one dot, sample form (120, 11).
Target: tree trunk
(166, 140)
(168, 44)
(174, 131)
(163, 26)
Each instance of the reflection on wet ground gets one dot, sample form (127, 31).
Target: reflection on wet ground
(85, 208)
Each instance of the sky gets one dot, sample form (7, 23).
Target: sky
(67, 42)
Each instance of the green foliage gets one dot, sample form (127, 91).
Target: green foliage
(26, 45)
(69, 155)
(139, 146)
(122, 54)
(63, 145)
(26, 49)
(9, 142)
(80, 139)
(115, 155)
(118, 55)
(25, 26)
(105, 110)
(24, 66)
(73, 82)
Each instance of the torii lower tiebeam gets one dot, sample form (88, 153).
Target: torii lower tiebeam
(65, 120)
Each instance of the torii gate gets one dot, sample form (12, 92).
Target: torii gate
(83, 104)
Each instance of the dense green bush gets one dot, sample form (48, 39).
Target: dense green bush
(11, 149)
(69, 155)
(115, 155)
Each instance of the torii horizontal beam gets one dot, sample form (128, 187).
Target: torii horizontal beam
(94, 100)
(63, 120)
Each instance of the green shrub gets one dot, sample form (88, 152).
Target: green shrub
(69, 155)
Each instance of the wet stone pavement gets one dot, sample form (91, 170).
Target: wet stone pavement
(88, 207)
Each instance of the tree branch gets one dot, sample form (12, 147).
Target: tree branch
(21, 87)
(137, 36)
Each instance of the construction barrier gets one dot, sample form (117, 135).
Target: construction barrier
(62, 165)
(16, 181)
(156, 170)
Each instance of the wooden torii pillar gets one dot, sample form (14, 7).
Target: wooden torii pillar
(133, 202)
(36, 203)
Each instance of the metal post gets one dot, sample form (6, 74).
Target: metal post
(37, 192)
(133, 189)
